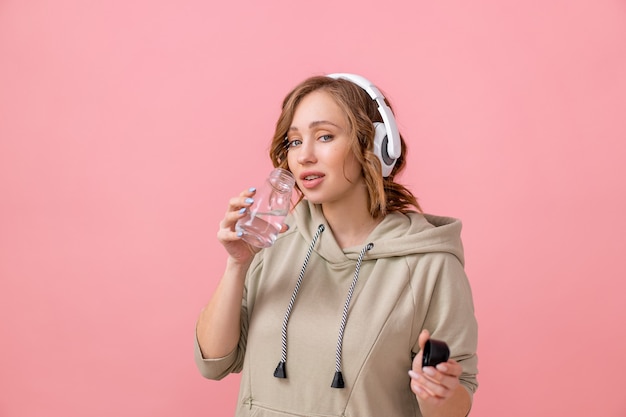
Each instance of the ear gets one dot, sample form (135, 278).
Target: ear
(381, 148)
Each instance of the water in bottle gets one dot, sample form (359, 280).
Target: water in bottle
(265, 217)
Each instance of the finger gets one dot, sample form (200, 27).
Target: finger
(439, 383)
(241, 201)
(416, 366)
(421, 386)
(248, 193)
(423, 337)
(237, 208)
(225, 234)
(231, 218)
(236, 203)
(421, 341)
(433, 382)
(451, 368)
(432, 375)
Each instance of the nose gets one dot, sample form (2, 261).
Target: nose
(306, 152)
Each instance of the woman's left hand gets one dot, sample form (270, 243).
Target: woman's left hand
(433, 385)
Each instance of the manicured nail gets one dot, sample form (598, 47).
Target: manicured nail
(429, 370)
(243, 210)
(249, 200)
(413, 374)
(251, 189)
(239, 233)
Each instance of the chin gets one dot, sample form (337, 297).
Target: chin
(312, 199)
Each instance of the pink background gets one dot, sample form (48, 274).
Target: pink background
(126, 125)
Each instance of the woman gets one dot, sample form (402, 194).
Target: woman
(331, 320)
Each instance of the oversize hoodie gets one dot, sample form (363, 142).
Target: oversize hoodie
(318, 313)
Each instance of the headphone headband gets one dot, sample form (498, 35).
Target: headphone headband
(394, 147)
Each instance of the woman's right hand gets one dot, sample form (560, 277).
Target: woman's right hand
(240, 251)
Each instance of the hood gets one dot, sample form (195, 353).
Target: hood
(399, 234)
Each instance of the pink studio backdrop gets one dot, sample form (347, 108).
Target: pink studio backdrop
(126, 125)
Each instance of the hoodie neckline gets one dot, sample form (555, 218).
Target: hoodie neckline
(398, 234)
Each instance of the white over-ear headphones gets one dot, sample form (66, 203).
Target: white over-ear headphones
(387, 145)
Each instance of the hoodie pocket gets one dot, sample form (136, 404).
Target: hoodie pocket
(261, 410)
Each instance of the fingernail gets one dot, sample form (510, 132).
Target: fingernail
(251, 189)
(249, 200)
(243, 210)
(429, 370)
(239, 233)
(413, 374)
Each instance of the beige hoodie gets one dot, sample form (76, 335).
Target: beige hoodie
(411, 279)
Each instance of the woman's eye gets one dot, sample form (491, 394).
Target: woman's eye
(293, 143)
(326, 138)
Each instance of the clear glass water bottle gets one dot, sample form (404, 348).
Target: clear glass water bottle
(264, 219)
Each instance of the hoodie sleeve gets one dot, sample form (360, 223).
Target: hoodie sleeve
(218, 368)
(450, 314)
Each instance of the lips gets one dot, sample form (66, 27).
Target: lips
(311, 179)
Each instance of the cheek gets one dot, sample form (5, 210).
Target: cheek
(291, 161)
(352, 167)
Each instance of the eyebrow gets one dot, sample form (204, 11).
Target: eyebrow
(317, 123)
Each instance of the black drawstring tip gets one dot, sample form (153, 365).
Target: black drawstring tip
(280, 371)
(337, 380)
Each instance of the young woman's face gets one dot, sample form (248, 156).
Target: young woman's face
(319, 153)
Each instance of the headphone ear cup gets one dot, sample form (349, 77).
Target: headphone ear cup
(381, 150)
